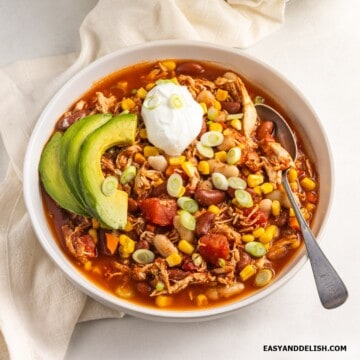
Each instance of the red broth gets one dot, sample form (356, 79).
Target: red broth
(114, 270)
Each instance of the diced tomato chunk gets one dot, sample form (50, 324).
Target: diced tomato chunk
(159, 211)
(212, 247)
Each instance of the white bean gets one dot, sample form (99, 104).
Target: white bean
(265, 205)
(225, 169)
(164, 245)
(184, 233)
(158, 162)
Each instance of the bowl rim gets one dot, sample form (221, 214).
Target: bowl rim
(30, 180)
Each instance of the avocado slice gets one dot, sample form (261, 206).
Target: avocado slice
(71, 143)
(53, 179)
(110, 210)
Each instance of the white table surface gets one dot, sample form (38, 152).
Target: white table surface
(318, 49)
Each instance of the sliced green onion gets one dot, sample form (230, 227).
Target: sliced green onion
(234, 116)
(237, 183)
(259, 100)
(220, 181)
(176, 101)
(212, 113)
(187, 220)
(221, 262)
(244, 198)
(109, 185)
(255, 248)
(174, 185)
(151, 102)
(160, 286)
(263, 277)
(164, 81)
(188, 204)
(143, 256)
(205, 151)
(212, 138)
(233, 156)
(128, 174)
(196, 259)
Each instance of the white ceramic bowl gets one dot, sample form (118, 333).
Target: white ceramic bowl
(256, 72)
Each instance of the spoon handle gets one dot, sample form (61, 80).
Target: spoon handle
(331, 289)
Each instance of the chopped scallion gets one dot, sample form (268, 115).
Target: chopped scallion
(205, 151)
(152, 102)
(237, 183)
(128, 175)
(188, 204)
(176, 101)
(174, 185)
(234, 116)
(233, 156)
(109, 185)
(212, 138)
(255, 248)
(187, 220)
(244, 198)
(143, 256)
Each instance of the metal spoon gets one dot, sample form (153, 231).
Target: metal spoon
(331, 289)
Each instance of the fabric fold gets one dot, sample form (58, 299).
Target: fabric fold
(39, 306)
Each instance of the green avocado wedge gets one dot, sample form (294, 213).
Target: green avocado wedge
(52, 177)
(71, 143)
(110, 210)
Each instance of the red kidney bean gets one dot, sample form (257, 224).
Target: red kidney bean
(190, 68)
(232, 107)
(204, 223)
(143, 288)
(66, 121)
(280, 220)
(176, 274)
(265, 128)
(142, 244)
(133, 205)
(209, 197)
(245, 259)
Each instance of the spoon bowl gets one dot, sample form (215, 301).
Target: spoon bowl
(331, 289)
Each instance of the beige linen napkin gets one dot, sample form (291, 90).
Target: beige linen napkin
(39, 307)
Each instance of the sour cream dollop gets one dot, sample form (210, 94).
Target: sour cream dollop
(173, 119)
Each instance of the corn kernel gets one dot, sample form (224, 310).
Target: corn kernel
(217, 105)
(267, 236)
(88, 265)
(149, 86)
(247, 238)
(95, 223)
(215, 127)
(310, 207)
(141, 93)
(122, 85)
(227, 132)
(128, 227)
(255, 179)
(257, 190)
(221, 95)
(275, 207)
(176, 160)
(201, 300)
(204, 107)
(308, 184)
(305, 213)
(175, 80)
(143, 134)
(204, 167)
(294, 186)
(182, 191)
(94, 234)
(188, 168)
(247, 272)
(174, 259)
(276, 231)
(170, 65)
(220, 155)
(185, 247)
(214, 209)
(139, 158)
(266, 188)
(163, 301)
(258, 232)
(127, 104)
(150, 151)
(127, 244)
(236, 124)
(292, 175)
